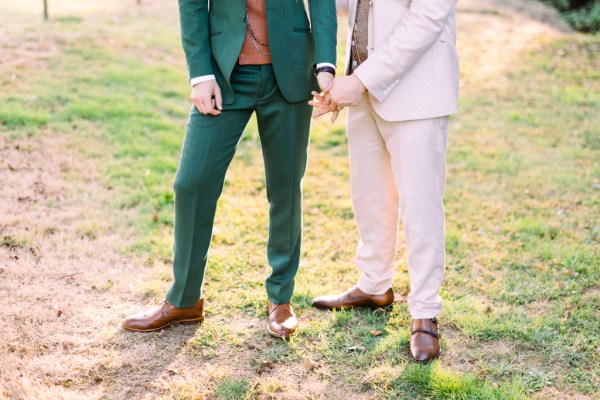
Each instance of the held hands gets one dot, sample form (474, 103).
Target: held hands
(207, 97)
(337, 93)
(325, 80)
(346, 91)
(324, 105)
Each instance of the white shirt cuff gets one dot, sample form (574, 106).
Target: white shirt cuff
(319, 65)
(203, 78)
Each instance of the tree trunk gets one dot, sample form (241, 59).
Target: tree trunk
(45, 10)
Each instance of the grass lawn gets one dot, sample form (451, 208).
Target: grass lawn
(521, 292)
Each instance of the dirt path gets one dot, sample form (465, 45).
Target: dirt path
(64, 287)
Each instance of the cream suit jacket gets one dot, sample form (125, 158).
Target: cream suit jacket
(412, 71)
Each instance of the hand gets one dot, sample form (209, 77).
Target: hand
(325, 80)
(346, 91)
(207, 97)
(325, 106)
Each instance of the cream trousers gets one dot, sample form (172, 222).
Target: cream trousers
(398, 169)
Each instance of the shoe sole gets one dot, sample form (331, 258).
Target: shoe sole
(350, 308)
(278, 335)
(182, 322)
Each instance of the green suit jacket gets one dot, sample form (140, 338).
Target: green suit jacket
(212, 34)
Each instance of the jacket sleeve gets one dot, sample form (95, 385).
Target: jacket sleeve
(418, 30)
(193, 16)
(324, 31)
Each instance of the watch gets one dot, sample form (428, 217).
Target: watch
(326, 68)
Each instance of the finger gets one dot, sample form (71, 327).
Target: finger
(213, 104)
(317, 104)
(324, 98)
(332, 106)
(318, 113)
(208, 105)
(214, 110)
(317, 96)
(218, 97)
(334, 115)
(200, 106)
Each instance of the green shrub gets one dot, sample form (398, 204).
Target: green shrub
(586, 19)
(561, 5)
(567, 5)
(583, 15)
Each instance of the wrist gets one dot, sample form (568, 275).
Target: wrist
(204, 83)
(200, 79)
(359, 84)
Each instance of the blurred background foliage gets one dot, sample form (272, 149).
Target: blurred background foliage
(583, 15)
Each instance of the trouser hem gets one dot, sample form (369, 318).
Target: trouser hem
(182, 303)
(374, 289)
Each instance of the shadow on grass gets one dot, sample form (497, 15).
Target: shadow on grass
(141, 360)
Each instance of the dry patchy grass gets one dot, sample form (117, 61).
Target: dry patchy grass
(88, 150)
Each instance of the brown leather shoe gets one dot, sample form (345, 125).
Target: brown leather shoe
(424, 339)
(352, 298)
(164, 315)
(282, 320)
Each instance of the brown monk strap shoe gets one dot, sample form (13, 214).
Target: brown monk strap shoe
(424, 339)
(352, 298)
(282, 320)
(164, 315)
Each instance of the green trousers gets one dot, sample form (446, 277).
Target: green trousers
(209, 145)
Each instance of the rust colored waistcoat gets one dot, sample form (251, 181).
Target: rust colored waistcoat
(257, 19)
